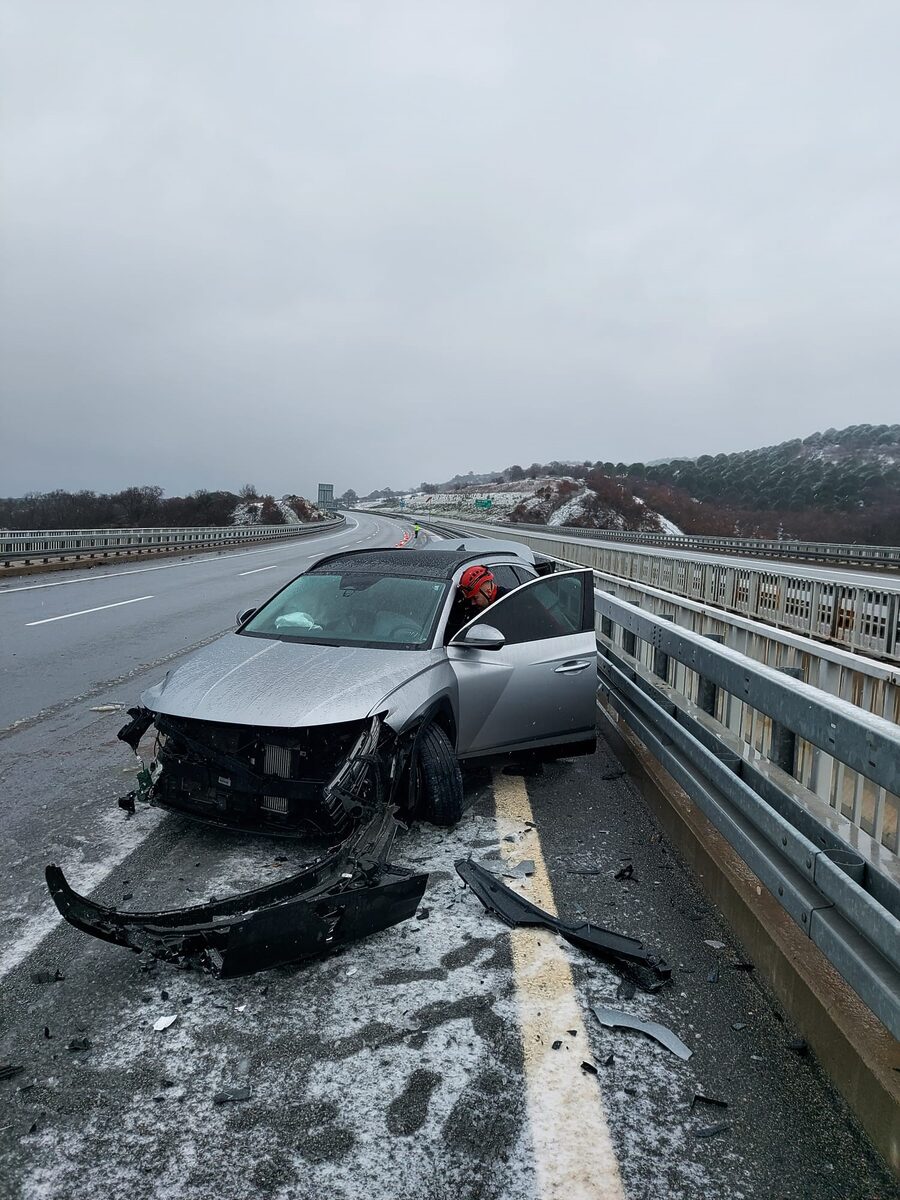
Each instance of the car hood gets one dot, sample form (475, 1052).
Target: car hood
(257, 681)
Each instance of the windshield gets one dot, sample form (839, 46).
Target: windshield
(353, 609)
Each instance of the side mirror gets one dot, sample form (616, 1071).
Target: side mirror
(480, 637)
(245, 615)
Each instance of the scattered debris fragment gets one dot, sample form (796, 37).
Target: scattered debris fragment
(556, 1045)
(10, 1070)
(625, 990)
(702, 1098)
(737, 1026)
(79, 1043)
(626, 872)
(572, 1032)
(713, 976)
(589, 1068)
(232, 1095)
(612, 1018)
(162, 1023)
(521, 870)
(423, 914)
(706, 1131)
(609, 1060)
(107, 708)
(614, 774)
(587, 871)
(799, 1045)
(514, 910)
(715, 945)
(43, 976)
(741, 965)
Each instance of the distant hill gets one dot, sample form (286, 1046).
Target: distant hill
(837, 485)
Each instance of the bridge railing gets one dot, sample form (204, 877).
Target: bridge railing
(44, 545)
(675, 689)
(831, 553)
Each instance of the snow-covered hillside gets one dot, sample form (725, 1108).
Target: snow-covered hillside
(557, 500)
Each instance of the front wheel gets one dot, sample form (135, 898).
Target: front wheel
(439, 779)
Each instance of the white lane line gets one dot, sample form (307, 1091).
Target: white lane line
(82, 611)
(256, 570)
(573, 1150)
(196, 562)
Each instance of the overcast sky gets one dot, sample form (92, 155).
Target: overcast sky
(379, 242)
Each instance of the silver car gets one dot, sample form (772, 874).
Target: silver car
(346, 687)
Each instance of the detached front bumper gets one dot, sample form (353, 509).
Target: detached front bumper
(346, 895)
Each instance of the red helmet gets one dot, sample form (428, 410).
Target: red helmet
(472, 580)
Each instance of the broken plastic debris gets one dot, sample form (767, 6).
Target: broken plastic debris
(515, 910)
(737, 1026)
(706, 1131)
(626, 872)
(715, 945)
(625, 990)
(556, 1045)
(612, 1018)
(162, 1023)
(588, 1068)
(81, 1043)
(713, 976)
(520, 870)
(702, 1098)
(107, 708)
(10, 1071)
(230, 1095)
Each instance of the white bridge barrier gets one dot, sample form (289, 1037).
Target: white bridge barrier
(29, 547)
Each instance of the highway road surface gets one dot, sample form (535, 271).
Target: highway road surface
(439, 1060)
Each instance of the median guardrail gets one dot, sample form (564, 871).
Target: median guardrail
(28, 547)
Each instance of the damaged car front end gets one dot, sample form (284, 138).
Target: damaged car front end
(280, 781)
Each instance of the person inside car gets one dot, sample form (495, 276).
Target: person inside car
(477, 589)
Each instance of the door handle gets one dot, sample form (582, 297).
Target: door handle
(572, 667)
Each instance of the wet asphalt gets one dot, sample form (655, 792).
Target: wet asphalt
(394, 1068)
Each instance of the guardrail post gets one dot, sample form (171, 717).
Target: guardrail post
(783, 743)
(707, 692)
(660, 658)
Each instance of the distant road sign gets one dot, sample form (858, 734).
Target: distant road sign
(483, 503)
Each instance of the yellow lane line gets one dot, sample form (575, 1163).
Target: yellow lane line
(573, 1150)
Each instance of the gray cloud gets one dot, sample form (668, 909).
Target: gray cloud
(381, 242)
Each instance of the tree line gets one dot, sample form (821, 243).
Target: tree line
(142, 506)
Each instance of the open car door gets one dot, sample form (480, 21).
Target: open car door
(536, 685)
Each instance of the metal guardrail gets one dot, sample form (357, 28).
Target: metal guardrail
(28, 546)
(860, 618)
(845, 554)
(847, 904)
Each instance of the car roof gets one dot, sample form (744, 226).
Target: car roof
(420, 564)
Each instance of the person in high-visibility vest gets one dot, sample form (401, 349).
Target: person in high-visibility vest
(418, 529)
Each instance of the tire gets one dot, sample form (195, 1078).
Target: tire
(440, 782)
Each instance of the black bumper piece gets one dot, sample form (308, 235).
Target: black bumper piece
(647, 968)
(346, 895)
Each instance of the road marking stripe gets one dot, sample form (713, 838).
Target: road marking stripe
(573, 1150)
(194, 562)
(81, 612)
(256, 570)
